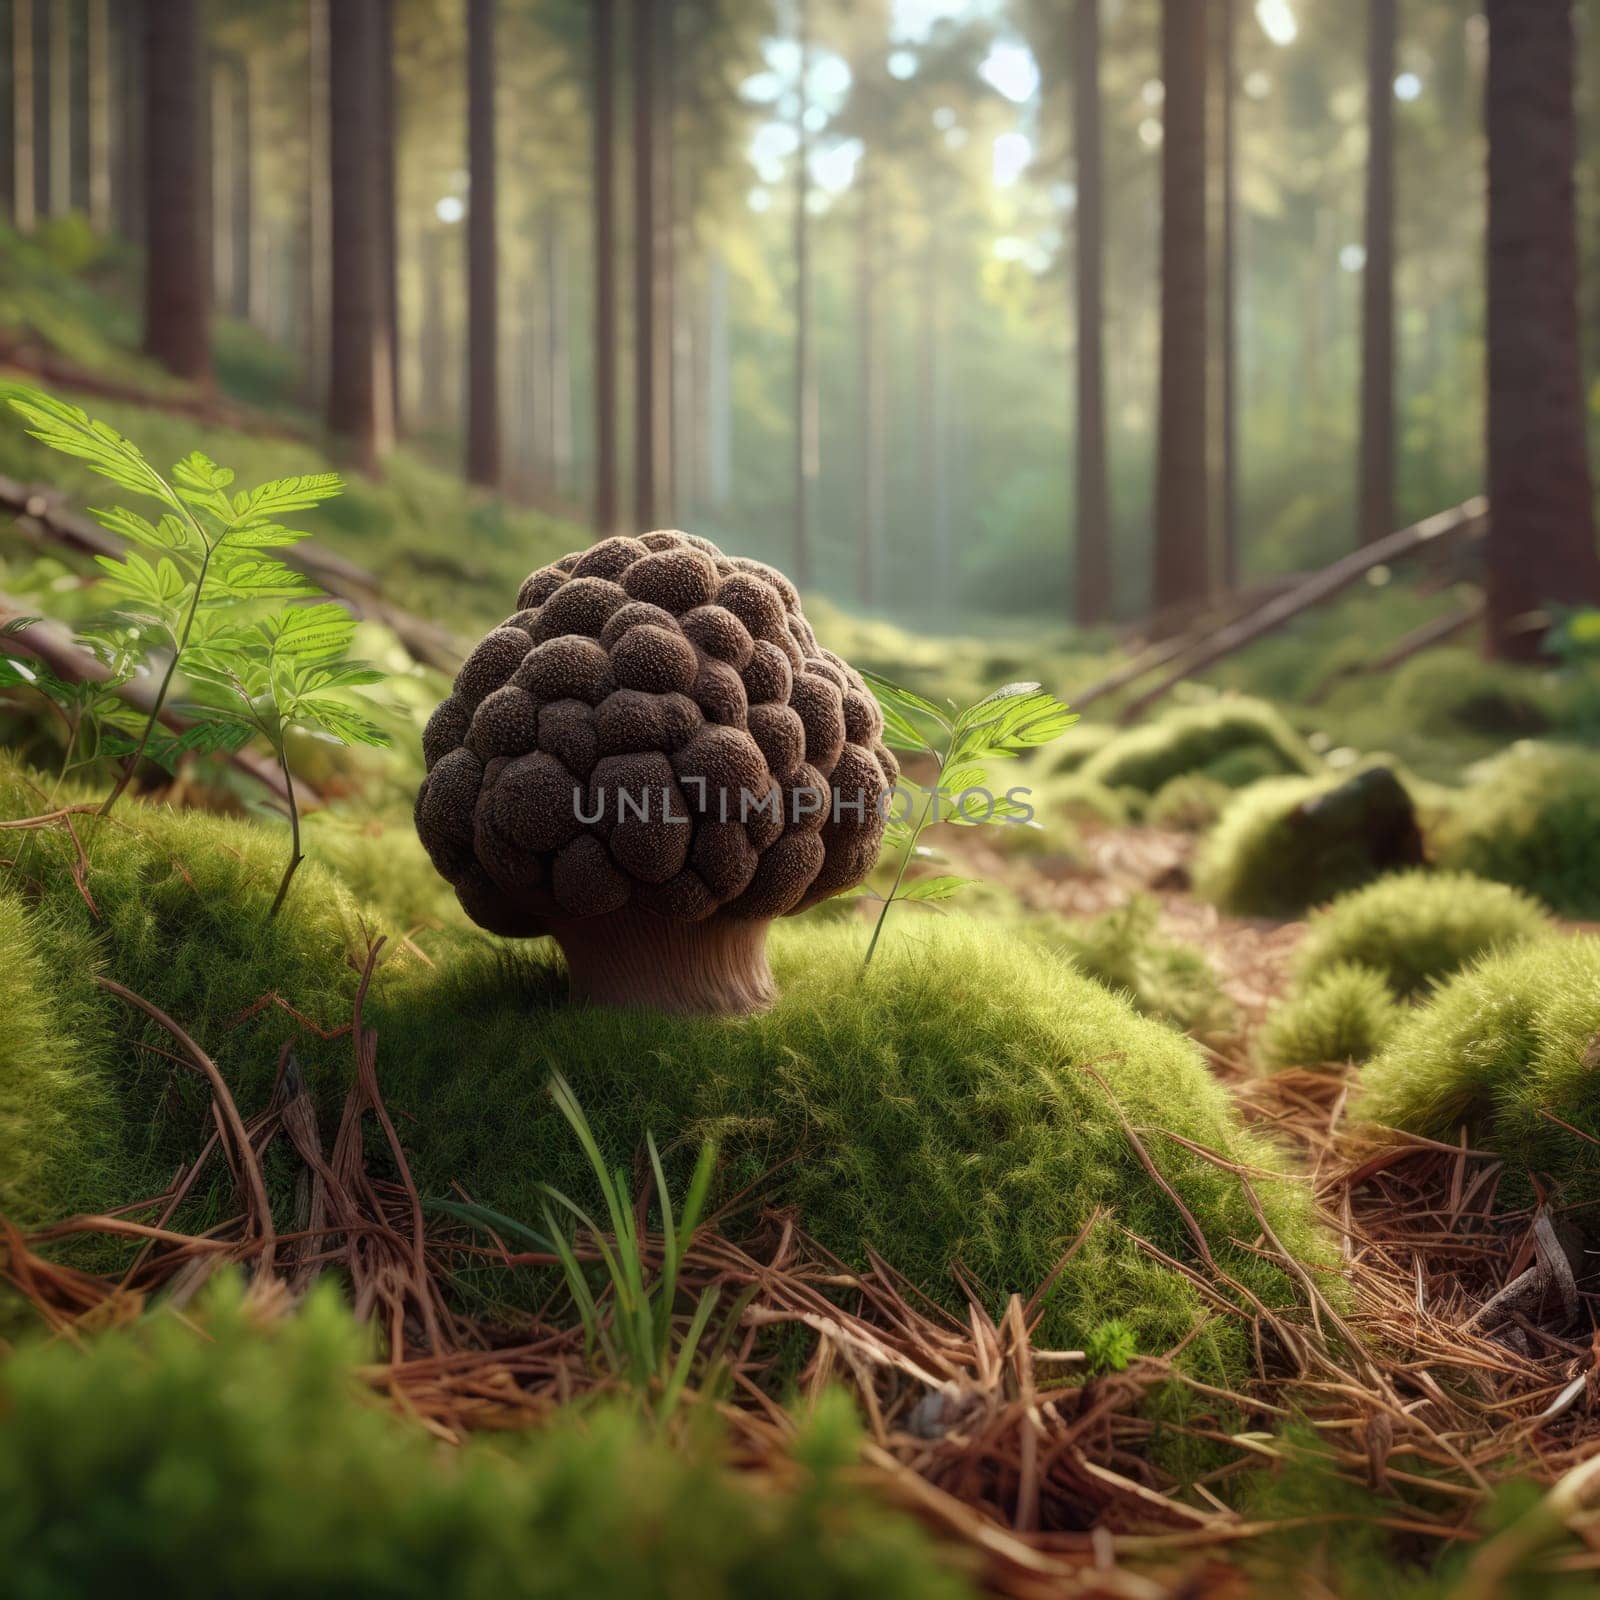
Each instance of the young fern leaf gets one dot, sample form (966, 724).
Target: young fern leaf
(1001, 726)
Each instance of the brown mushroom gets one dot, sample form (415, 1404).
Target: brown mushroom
(607, 772)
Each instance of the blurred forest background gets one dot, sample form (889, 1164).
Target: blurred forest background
(872, 289)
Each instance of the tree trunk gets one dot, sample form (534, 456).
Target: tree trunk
(1182, 553)
(556, 357)
(387, 179)
(224, 188)
(319, 205)
(130, 165)
(99, 77)
(1092, 588)
(1541, 546)
(434, 351)
(483, 266)
(719, 400)
(652, 256)
(1228, 551)
(869, 344)
(177, 298)
(24, 208)
(805, 377)
(603, 111)
(60, 33)
(359, 387)
(1377, 282)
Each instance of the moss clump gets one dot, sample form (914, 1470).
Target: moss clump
(1413, 928)
(180, 916)
(1290, 843)
(1531, 818)
(1079, 743)
(160, 1461)
(1188, 804)
(51, 1101)
(1163, 979)
(1455, 691)
(1504, 1049)
(1206, 739)
(1343, 1014)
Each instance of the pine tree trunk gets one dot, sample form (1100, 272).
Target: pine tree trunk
(1228, 540)
(1377, 511)
(557, 354)
(224, 188)
(806, 462)
(177, 324)
(869, 345)
(24, 205)
(319, 205)
(98, 68)
(60, 34)
(483, 266)
(1092, 586)
(1541, 547)
(359, 386)
(719, 401)
(128, 184)
(388, 200)
(1182, 551)
(652, 267)
(603, 111)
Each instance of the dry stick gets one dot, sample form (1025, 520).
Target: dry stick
(244, 1153)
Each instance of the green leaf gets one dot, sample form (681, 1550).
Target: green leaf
(252, 507)
(18, 625)
(940, 888)
(346, 675)
(311, 631)
(15, 674)
(203, 484)
(161, 588)
(257, 578)
(906, 701)
(170, 533)
(898, 733)
(1004, 724)
(263, 536)
(74, 433)
(334, 717)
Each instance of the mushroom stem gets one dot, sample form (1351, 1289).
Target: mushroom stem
(636, 958)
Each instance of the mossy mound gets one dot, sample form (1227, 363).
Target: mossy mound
(1531, 817)
(1413, 928)
(1454, 691)
(1289, 843)
(1342, 1015)
(158, 1460)
(1209, 739)
(1505, 1049)
(180, 916)
(1079, 743)
(1188, 804)
(1161, 978)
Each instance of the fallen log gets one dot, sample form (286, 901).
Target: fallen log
(44, 515)
(1403, 649)
(1470, 520)
(53, 644)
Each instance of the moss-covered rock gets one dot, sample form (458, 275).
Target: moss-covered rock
(242, 1460)
(1507, 1049)
(1531, 817)
(1342, 1015)
(1290, 843)
(1413, 928)
(1209, 739)
(1457, 691)
(1190, 803)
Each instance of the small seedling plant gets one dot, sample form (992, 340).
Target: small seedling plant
(999, 727)
(199, 599)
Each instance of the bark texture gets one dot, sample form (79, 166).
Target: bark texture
(1377, 283)
(483, 268)
(1541, 546)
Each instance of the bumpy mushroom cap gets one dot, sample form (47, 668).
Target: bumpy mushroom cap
(654, 732)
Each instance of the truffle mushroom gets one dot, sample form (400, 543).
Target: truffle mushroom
(648, 763)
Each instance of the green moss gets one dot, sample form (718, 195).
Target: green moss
(1504, 1049)
(1081, 741)
(1205, 738)
(1163, 979)
(52, 1097)
(1190, 803)
(1531, 818)
(1288, 843)
(1457, 691)
(243, 1460)
(1343, 1014)
(1413, 928)
(936, 1110)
